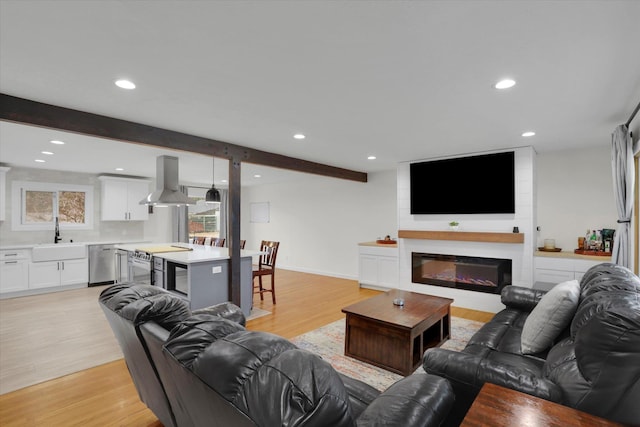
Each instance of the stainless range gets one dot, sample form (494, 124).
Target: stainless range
(140, 267)
(144, 268)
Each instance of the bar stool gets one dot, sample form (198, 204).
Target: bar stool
(266, 267)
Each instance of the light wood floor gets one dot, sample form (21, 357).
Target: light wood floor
(105, 396)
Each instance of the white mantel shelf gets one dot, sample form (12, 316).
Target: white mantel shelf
(465, 236)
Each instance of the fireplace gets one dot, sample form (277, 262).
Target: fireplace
(462, 272)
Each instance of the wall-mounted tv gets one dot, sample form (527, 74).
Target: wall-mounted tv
(482, 184)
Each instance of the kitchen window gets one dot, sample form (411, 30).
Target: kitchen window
(35, 206)
(204, 219)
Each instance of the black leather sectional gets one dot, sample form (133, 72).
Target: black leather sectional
(593, 366)
(205, 369)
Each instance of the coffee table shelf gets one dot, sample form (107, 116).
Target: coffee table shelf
(395, 337)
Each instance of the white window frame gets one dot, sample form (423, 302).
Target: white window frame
(18, 188)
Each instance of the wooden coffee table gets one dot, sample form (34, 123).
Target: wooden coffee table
(395, 337)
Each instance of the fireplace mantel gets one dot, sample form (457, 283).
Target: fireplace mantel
(465, 236)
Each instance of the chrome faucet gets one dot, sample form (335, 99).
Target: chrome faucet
(57, 237)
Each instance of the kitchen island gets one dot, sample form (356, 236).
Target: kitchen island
(197, 273)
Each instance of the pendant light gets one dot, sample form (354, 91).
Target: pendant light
(213, 195)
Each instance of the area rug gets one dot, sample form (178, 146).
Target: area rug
(328, 342)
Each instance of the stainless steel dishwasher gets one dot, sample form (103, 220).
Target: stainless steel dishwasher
(101, 264)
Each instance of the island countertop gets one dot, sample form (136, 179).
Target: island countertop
(197, 254)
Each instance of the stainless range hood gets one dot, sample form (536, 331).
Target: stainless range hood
(167, 191)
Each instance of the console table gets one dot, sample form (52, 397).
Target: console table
(502, 407)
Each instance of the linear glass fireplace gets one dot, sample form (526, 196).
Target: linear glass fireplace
(462, 272)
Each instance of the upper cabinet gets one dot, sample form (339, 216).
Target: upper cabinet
(3, 192)
(121, 199)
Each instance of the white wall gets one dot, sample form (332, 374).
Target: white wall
(575, 193)
(152, 230)
(319, 221)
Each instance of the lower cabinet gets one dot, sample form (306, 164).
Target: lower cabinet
(378, 266)
(14, 275)
(58, 273)
(557, 270)
(14, 270)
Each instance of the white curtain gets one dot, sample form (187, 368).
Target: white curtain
(224, 215)
(623, 182)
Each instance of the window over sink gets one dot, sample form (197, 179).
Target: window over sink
(35, 206)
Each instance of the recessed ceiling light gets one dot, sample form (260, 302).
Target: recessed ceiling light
(505, 84)
(371, 158)
(299, 136)
(527, 134)
(48, 153)
(224, 180)
(55, 141)
(39, 161)
(125, 84)
(257, 176)
(119, 169)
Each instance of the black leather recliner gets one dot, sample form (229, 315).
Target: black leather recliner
(126, 307)
(594, 366)
(214, 372)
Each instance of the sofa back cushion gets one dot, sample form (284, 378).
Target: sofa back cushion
(142, 303)
(265, 376)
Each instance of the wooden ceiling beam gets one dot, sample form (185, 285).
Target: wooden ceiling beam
(36, 113)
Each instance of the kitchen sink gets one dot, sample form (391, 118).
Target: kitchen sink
(58, 251)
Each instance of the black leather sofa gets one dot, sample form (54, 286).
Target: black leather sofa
(593, 366)
(205, 368)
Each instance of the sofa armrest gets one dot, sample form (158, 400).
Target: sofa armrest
(225, 310)
(419, 400)
(469, 372)
(521, 298)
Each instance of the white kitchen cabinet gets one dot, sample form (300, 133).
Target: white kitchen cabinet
(58, 273)
(3, 192)
(378, 265)
(14, 270)
(549, 269)
(121, 199)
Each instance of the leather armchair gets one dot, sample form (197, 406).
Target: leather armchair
(594, 365)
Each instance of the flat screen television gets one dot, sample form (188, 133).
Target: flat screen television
(482, 184)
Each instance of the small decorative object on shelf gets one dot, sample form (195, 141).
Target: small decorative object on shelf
(386, 241)
(453, 225)
(596, 242)
(549, 246)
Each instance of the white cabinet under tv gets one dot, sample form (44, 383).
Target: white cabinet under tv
(378, 265)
